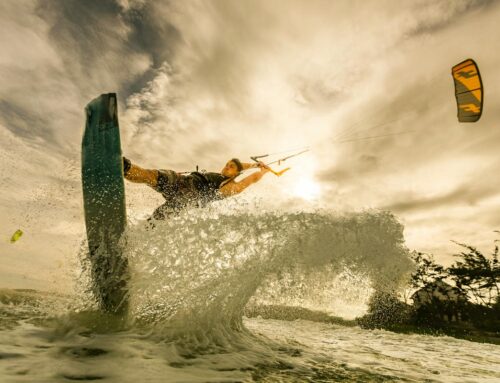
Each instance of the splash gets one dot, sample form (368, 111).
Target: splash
(195, 274)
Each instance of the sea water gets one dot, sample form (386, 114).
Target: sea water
(192, 277)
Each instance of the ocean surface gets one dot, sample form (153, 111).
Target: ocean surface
(191, 279)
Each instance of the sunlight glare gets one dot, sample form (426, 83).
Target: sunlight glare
(307, 189)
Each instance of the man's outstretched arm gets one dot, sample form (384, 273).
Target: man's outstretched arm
(233, 188)
(134, 173)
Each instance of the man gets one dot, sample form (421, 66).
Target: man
(194, 189)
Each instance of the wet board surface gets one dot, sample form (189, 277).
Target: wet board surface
(104, 202)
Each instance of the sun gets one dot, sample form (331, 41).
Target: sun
(307, 189)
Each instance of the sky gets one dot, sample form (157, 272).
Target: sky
(200, 82)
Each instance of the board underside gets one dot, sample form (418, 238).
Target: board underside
(104, 203)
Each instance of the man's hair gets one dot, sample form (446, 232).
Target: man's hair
(238, 164)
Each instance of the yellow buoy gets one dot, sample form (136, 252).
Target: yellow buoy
(16, 236)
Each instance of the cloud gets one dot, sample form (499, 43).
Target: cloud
(200, 82)
(439, 15)
(464, 195)
(109, 45)
(61, 54)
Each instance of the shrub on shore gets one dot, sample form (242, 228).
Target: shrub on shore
(466, 294)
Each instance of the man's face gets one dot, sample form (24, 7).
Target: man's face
(230, 170)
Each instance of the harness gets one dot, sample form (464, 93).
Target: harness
(208, 184)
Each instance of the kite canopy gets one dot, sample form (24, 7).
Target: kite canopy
(468, 91)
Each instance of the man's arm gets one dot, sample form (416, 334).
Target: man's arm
(136, 174)
(247, 165)
(232, 188)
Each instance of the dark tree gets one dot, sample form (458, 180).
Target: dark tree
(477, 275)
(427, 270)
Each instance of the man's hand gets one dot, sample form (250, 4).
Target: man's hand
(126, 165)
(263, 167)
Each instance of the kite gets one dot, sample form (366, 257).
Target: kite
(468, 91)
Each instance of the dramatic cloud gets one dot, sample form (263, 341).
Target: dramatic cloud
(365, 84)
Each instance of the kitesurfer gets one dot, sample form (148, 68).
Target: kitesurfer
(193, 189)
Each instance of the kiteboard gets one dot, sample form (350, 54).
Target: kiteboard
(104, 203)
